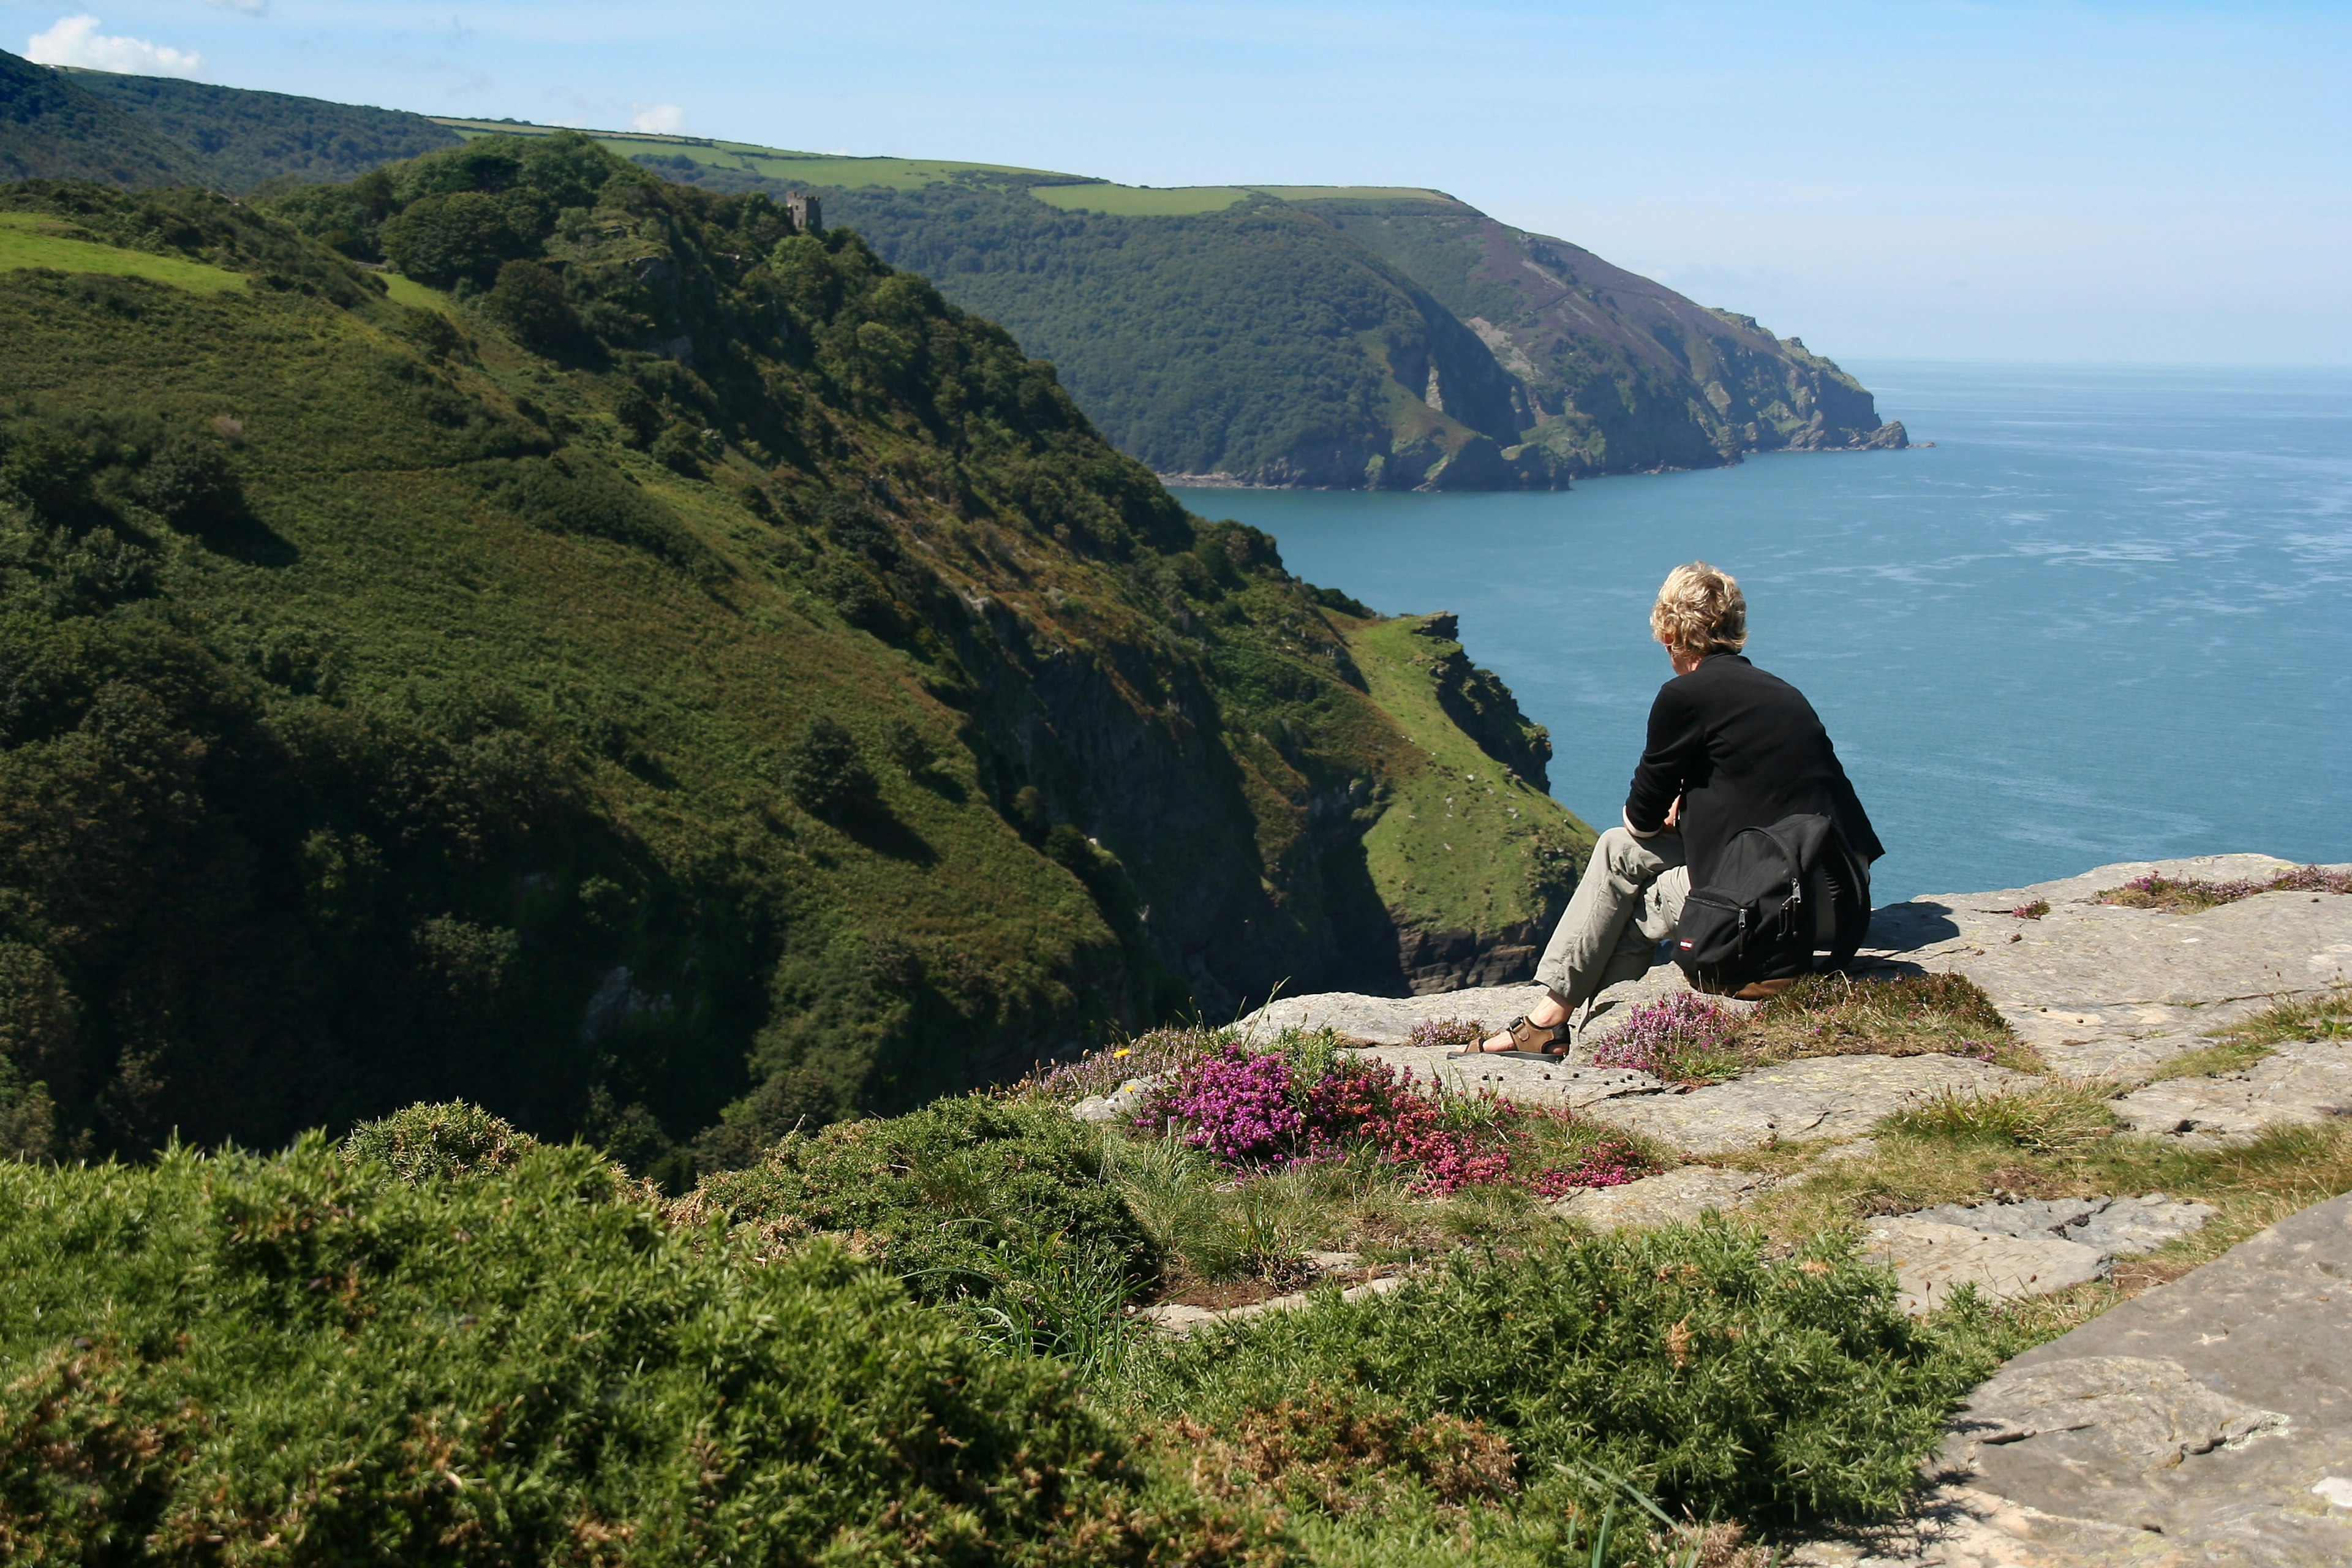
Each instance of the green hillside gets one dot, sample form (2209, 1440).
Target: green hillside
(245, 139)
(677, 666)
(50, 128)
(1386, 337)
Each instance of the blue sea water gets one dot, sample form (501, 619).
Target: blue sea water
(2105, 618)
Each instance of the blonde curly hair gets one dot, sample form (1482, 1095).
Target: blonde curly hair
(1700, 610)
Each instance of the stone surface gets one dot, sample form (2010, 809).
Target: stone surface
(1119, 1103)
(1672, 1197)
(1931, 1260)
(2309, 1080)
(1389, 1020)
(1815, 1096)
(2107, 992)
(2114, 1228)
(1173, 1318)
(2206, 1422)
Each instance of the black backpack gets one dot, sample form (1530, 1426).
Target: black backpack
(1775, 896)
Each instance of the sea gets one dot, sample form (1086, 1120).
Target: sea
(2104, 617)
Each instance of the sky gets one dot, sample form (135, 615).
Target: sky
(2115, 182)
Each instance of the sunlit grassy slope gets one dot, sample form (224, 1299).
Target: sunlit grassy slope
(1461, 841)
(36, 239)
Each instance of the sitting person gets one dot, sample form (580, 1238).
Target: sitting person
(1730, 748)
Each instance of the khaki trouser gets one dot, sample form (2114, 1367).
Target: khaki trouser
(1625, 904)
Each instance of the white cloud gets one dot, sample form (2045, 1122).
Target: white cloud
(75, 41)
(666, 118)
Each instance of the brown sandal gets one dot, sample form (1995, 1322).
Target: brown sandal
(1536, 1042)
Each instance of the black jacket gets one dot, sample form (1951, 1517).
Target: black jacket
(1743, 749)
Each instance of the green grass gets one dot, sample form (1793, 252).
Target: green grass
(2328, 1017)
(1131, 201)
(1470, 846)
(825, 169)
(34, 240)
(2209, 1061)
(2053, 1118)
(1373, 194)
(1912, 1015)
(408, 292)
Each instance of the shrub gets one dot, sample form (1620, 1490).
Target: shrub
(426, 1141)
(955, 1198)
(231, 1359)
(1731, 1385)
(191, 484)
(826, 773)
(1305, 1100)
(528, 299)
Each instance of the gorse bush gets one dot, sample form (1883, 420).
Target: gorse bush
(424, 1142)
(1729, 1384)
(959, 1199)
(302, 1359)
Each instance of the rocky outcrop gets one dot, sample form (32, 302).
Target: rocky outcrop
(2205, 1422)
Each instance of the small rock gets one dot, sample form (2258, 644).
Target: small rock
(1120, 1104)
(1334, 1262)
(1931, 1260)
(1173, 1319)
(1673, 1198)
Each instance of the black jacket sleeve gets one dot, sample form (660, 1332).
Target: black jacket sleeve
(1677, 747)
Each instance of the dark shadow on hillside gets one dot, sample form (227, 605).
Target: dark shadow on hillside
(246, 538)
(883, 833)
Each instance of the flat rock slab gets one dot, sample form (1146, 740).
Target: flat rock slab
(1558, 1084)
(1816, 1097)
(1931, 1260)
(2114, 1227)
(1389, 1020)
(1673, 1198)
(2304, 1081)
(1175, 1319)
(2106, 992)
(2216, 1409)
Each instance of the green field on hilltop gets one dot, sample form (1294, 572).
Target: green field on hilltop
(1352, 193)
(1139, 201)
(750, 158)
(37, 239)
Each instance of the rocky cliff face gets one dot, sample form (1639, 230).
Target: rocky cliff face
(1614, 371)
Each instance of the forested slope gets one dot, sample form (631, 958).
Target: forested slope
(642, 662)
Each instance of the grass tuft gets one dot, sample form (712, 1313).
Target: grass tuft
(2055, 1118)
(2211, 1062)
(1689, 1038)
(2322, 1018)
